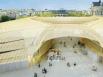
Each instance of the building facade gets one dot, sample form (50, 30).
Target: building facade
(97, 8)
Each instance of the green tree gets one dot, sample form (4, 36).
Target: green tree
(78, 14)
(45, 14)
(5, 18)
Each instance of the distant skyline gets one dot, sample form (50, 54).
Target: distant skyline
(46, 4)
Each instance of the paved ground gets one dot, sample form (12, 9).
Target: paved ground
(59, 67)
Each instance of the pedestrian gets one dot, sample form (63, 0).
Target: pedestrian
(44, 71)
(39, 65)
(64, 44)
(58, 53)
(50, 58)
(73, 46)
(75, 64)
(68, 64)
(35, 74)
(94, 68)
(75, 51)
(50, 64)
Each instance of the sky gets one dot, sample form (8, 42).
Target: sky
(46, 4)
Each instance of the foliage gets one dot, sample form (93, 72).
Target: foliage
(78, 14)
(45, 14)
(5, 18)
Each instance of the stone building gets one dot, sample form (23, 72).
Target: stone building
(97, 8)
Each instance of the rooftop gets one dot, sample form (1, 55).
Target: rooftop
(65, 20)
(35, 30)
(96, 3)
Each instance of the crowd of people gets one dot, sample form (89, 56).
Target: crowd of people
(55, 55)
(44, 71)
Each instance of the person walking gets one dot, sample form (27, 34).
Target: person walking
(39, 65)
(94, 68)
(35, 74)
(68, 64)
(50, 64)
(44, 71)
(75, 64)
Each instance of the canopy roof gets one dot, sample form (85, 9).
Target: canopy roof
(23, 37)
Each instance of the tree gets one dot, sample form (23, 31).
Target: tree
(77, 14)
(45, 14)
(5, 18)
